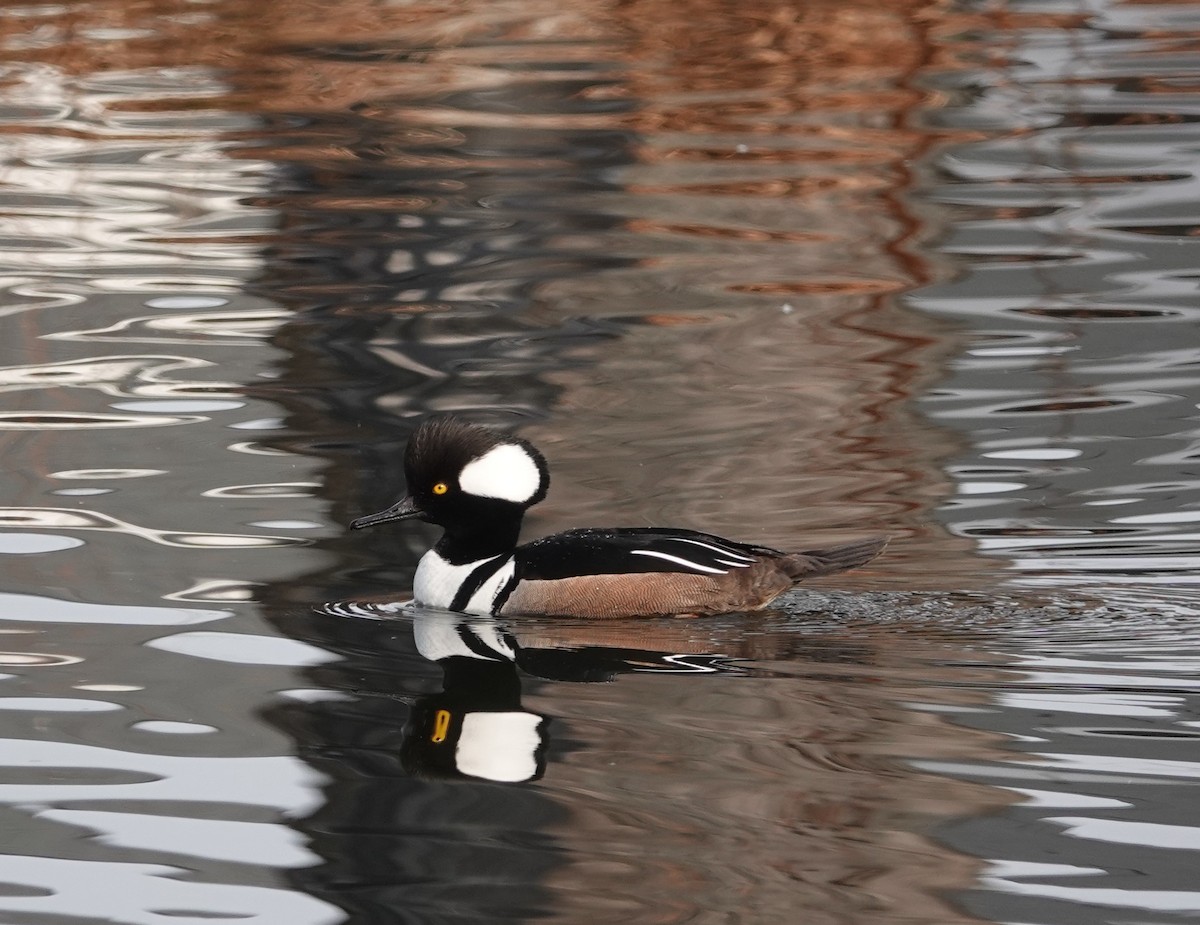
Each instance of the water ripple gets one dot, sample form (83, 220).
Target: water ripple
(270, 490)
(115, 375)
(220, 839)
(144, 893)
(245, 328)
(75, 519)
(38, 609)
(47, 420)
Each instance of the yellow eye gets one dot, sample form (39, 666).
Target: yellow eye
(440, 488)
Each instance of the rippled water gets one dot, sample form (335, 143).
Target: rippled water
(790, 273)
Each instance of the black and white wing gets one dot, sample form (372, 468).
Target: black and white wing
(633, 550)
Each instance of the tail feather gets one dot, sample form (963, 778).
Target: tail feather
(816, 562)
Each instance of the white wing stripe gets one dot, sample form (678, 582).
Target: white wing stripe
(717, 549)
(678, 561)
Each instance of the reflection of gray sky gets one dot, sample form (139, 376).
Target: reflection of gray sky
(1102, 736)
(1079, 392)
(1077, 398)
(135, 340)
(139, 502)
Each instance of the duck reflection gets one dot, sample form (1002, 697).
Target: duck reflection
(476, 728)
(517, 769)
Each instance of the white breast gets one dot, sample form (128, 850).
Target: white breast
(437, 582)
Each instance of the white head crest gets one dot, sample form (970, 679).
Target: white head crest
(507, 472)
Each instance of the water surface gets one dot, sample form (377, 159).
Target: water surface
(790, 274)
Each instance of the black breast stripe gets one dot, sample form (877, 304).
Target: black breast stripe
(503, 594)
(475, 581)
(474, 644)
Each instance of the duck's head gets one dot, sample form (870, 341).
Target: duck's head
(461, 475)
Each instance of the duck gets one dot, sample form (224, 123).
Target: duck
(476, 483)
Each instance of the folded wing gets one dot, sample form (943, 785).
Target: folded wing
(634, 550)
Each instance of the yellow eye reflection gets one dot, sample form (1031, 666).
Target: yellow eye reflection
(440, 488)
(441, 726)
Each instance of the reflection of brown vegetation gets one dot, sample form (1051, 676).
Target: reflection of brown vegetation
(768, 68)
(772, 167)
(289, 55)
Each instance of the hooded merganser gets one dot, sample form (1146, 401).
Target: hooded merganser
(477, 484)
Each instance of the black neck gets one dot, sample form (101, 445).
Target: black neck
(481, 539)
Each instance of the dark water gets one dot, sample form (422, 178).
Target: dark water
(790, 273)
